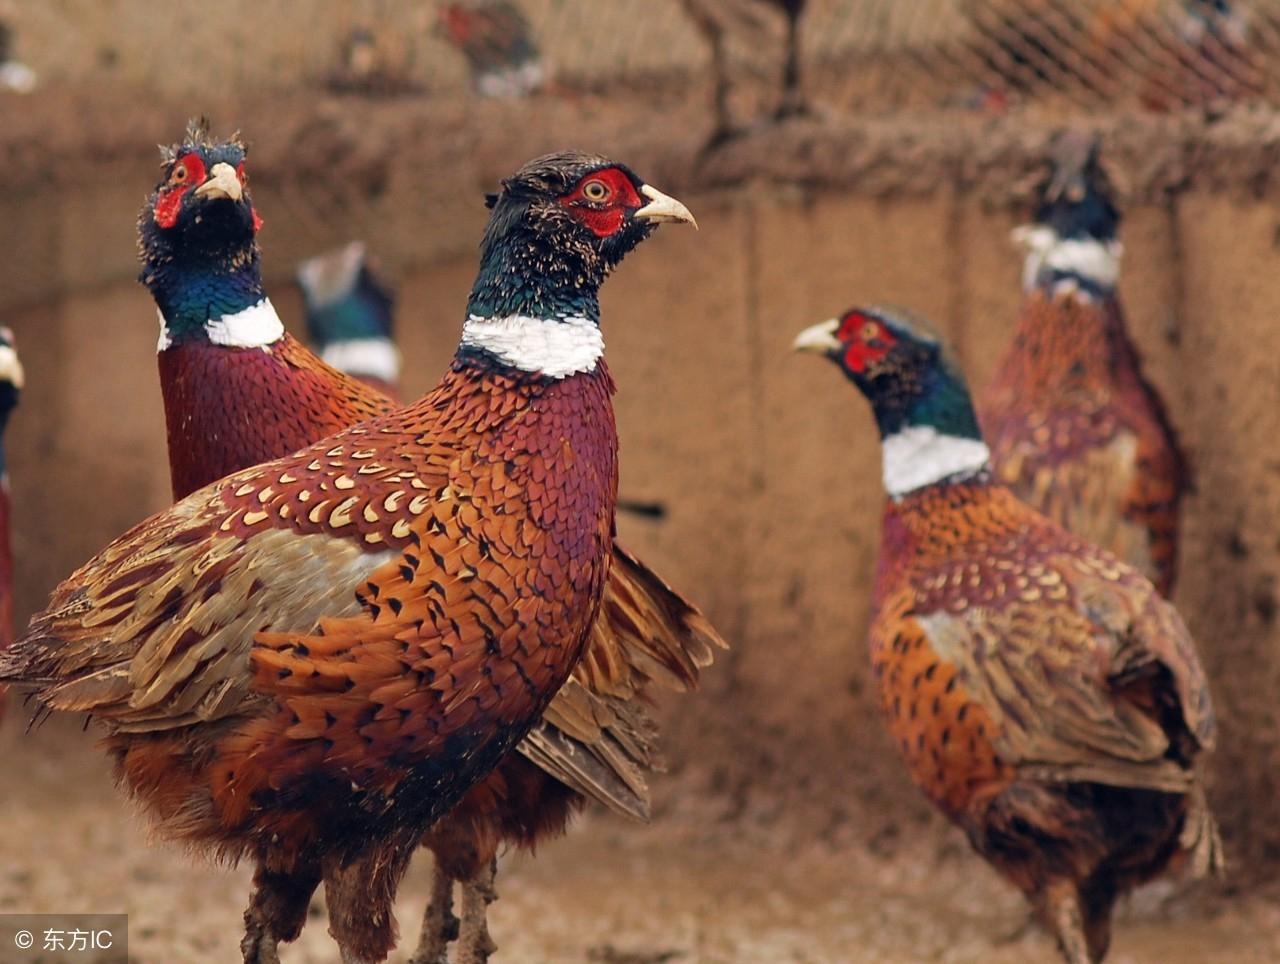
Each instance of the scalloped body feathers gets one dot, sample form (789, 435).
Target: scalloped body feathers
(1077, 431)
(1046, 699)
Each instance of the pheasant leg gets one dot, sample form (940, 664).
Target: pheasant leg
(792, 103)
(474, 943)
(277, 910)
(1060, 911)
(439, 925)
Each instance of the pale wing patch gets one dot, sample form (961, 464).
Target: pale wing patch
(175, 668)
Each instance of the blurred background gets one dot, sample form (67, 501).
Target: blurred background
(894, 171)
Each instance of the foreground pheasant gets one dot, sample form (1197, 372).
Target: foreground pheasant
(311, 661)
(1043, 695)
(596, 738)
(11, 378)
(350, 316)
(1075, 429)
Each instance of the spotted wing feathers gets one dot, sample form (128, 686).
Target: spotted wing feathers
(155, 632)
(1091, 677)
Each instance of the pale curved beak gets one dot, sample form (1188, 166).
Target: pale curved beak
(662, 207)
(10, 367)
(820, 338)
(222, 182)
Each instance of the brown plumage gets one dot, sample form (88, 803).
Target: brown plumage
(1041, 692)
(229, 408)
(312, 660)
(1075, 428)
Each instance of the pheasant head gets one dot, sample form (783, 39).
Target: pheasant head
(557, 229)
(1072, 239)
(197, 244)
(920, 400)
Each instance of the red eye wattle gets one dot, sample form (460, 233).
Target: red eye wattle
(866, 340)
(188, 172)
(601, 199)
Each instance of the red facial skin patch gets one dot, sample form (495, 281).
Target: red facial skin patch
(188, 171)
(867, 340)
(601, 199)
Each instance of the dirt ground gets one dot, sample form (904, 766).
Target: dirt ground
(693, 887)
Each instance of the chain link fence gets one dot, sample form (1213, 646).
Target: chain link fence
(372, 93)
(857, 55)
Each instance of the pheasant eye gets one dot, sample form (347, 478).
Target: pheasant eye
(595, 190)
(870, 331)
(180, 174)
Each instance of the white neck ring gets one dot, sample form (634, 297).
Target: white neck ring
(555, 347)
(1097, 262)
(257, 326)
(920, 455)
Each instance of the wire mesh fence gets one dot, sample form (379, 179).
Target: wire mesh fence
(471, 65)
(859, 55)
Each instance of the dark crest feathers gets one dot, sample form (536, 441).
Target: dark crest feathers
(198, 135)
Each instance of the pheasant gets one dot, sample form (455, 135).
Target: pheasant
(350, 318)
(1042, 693)
(497, 39)
(1075, 428)
(373, 60)
(311, 661)
(11, 377)
(715, 20)
(595, 739)
(15, 76)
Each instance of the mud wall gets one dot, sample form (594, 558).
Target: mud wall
(767, 463)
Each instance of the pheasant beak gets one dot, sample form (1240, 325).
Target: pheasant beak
(819, 339)
(222, 183)
(10, 367)
(661, 207)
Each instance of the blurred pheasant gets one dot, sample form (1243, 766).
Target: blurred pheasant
(715, 21)
(1043, 695)
(350, 316)
(15, 76)
(596, 740)
(310, 662)
(1074, 427)
(11, 377)
(497, 39)
(375, 61)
